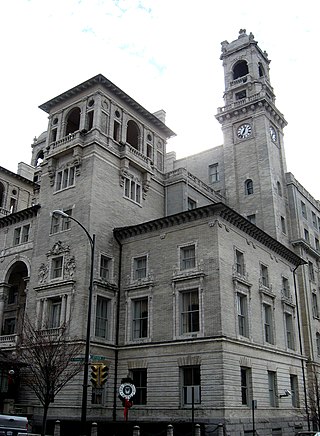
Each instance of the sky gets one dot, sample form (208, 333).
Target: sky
(166, 55)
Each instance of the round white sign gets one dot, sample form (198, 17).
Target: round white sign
(127, 390)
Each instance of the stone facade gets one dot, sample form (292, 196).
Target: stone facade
(206, 274)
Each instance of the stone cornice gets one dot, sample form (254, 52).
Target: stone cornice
(248, 106)
(100, 79)
(217, 210)
(17, 176)
(17, 217)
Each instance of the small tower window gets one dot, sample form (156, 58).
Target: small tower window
(133, 134)
(39, 158)
(249, 187)
(261, 70)
(73, 121)
(89, 120)
(279, 189)
(241, 94)
(240, 70)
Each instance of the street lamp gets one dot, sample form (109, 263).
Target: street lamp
(87, 348)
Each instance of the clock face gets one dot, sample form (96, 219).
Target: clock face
(244, 131)
(273, 134)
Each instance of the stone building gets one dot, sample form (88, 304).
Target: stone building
(206, 268)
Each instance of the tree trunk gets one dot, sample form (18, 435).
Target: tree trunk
(44, 418)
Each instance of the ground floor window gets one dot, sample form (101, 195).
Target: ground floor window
(191, 392)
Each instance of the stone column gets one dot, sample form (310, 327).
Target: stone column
(63, 309)
(44, 313)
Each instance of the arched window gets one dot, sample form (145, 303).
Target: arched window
(39, 158)
(279, 189)
(133, 134)
(240, 70)
(73, 121)
(248, 187)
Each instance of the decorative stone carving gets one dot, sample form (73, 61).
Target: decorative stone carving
(58, 248)
(70, 267)
(43, 273)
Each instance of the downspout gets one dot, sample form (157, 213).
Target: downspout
(116, 355)
(300, 344)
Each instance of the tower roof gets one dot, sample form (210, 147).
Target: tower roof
(111, 87)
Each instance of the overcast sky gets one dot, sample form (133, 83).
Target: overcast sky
(164, 54)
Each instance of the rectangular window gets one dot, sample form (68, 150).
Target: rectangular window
(294, 390)
(105, 266)
(191, 204)
(159, 160)
(316, 243)
(139, 377)
(272, 384)
(191, 387)
(25, 233)
(9, 326)
(140, 318)
(242, 307)
(214, 173)
(55, 224)
(102, 318)
(65, 178)
(187, 257)
(54, 313)
(16, 236)
(314, 219)
(245, 378)
(285, 287)
(98, 395)
(140, 268)
(283, 225)
(268, 323)
(311, 271)
(189, 311)
(315, 310)
(303, 210)
(116, 131)
(289, 330)
(57, 267)
(12, 295)
(240, 262)
(66, 221)
(264, 276)
(306, 235)
(132, 190)
(318, 343)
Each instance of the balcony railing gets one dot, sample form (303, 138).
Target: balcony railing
(8, 340)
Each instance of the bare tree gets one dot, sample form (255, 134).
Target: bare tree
(314, 394)
(50, 362)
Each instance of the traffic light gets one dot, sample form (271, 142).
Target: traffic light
(95, 375)
(103, 374)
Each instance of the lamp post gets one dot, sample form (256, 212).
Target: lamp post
(87, 347)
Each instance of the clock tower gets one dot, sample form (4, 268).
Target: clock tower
(254, 160)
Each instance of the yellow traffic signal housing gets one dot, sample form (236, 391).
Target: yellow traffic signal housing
(104, 370)
(95, 375)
